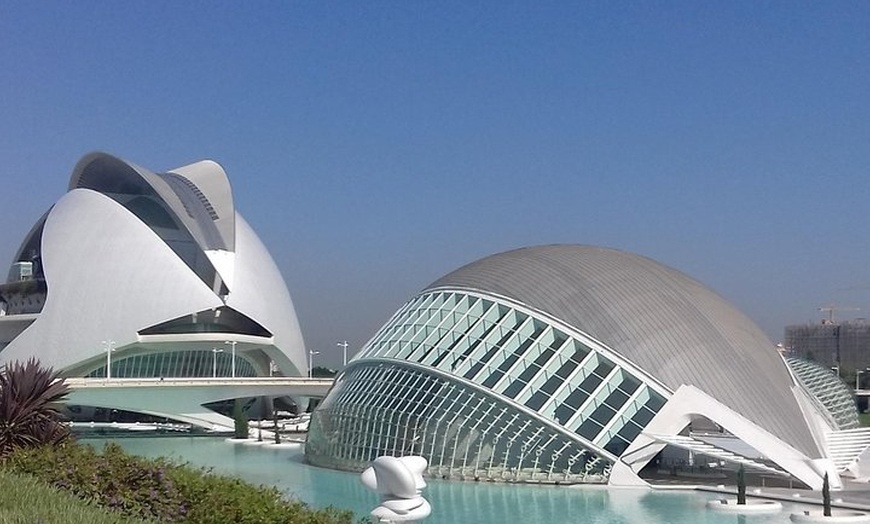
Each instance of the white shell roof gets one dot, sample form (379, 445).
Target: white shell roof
(110, 275)
(199, 194)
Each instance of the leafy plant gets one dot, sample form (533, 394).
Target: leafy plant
(29, 399)
(741, 485)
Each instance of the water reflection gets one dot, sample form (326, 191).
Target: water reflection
(452, 502)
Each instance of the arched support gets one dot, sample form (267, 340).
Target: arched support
(689, 401)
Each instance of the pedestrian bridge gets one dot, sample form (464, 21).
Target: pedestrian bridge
(182, 399)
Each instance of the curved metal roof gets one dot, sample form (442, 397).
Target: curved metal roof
(663, 321)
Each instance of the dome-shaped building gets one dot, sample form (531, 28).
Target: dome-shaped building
(570, 364)
(154, 274)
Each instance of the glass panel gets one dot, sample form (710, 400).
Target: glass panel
(616, 399)
(655, 402)
(643, 417)
(537, 400)
(603, 414)
(630, 431)
(616, 446)
(589, 429)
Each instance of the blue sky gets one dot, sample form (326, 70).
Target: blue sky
(376, 146)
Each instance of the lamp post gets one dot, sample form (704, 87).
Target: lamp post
(233, 365)
(311, 362)
(109, 346)
(343, 346)
(214, 352)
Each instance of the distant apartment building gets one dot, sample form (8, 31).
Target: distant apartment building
(842, 344)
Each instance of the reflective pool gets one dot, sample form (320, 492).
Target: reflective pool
(452, 502)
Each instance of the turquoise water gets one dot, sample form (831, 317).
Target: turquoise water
(452, 502)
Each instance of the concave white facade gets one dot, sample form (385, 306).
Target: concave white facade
(574, 364)
(157, 269)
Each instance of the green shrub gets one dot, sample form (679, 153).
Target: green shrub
(159, 489)
(25, 500)
(113, 479)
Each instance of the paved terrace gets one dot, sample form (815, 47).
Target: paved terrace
(854, 495)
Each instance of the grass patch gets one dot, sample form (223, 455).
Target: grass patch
(864, 419)
(25, 500)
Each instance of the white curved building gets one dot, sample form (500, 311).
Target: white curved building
(156, 272)
(576, 364)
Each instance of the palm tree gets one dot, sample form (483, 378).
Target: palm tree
(29, 400)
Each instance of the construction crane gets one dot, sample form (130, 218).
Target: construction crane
(831, 308)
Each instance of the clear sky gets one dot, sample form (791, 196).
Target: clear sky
(375, 146)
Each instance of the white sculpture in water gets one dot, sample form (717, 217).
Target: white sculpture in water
(399, 482)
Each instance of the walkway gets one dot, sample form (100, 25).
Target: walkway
(313, 386)
(182, 399)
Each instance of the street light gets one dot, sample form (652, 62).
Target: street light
(233, 365)
(343, 346)
(214, 352)
(311, 362)
(109, 346)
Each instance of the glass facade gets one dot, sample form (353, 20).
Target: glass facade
(177, 364)
(218, 320)
(482, 388)
(826, 388)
